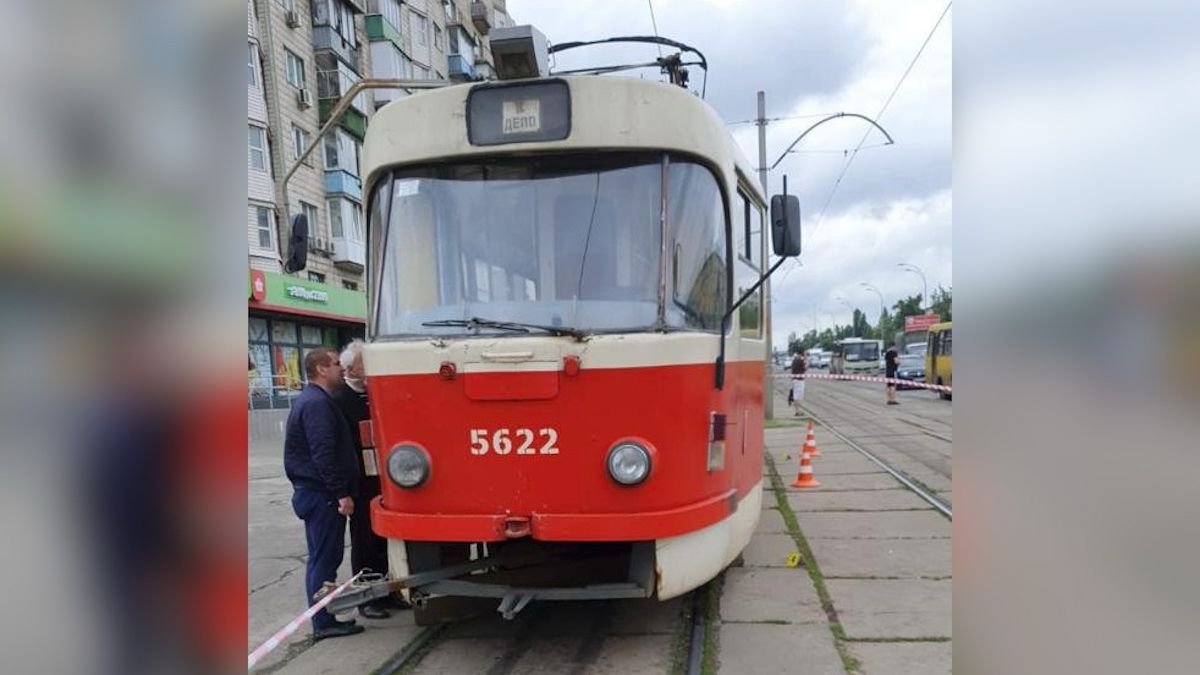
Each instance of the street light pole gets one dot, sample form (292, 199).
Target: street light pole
(874, 290)
(924, 287)
(852, 310)
(768, 401)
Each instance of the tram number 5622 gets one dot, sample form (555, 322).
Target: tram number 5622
(514, 441)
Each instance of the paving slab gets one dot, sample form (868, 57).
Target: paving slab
(892, 608)
(855, 463)
(903, 658)
(768, 550)
(910, 558)
(858, 481)
(362, 653)
(754, 594)
(876, 525)
(645, 617)
(870, 500)
(771, 521)
(769, 649)
(633, 655)
(456, 657)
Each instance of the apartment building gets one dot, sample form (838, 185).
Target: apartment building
(302, 56)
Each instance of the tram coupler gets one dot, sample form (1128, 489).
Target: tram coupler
(369, 586)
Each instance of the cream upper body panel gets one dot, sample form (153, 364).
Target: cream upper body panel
(607, 113)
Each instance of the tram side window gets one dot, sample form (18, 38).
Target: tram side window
(697, 272)
(746, 269)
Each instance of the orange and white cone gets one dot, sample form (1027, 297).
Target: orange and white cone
(805, 479)
(810, 442)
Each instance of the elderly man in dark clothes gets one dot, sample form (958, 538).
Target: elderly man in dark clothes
(367, 549)
(319, 459)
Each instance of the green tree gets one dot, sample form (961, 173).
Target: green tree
(943, 302)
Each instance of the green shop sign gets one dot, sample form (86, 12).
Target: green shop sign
(286, 292)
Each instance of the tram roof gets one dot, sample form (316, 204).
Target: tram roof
(608, 113)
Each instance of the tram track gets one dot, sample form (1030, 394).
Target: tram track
(690, 644)
(870, 419)
(921, 491)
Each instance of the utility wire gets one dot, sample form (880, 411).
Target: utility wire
(850, 160)
(882, 109)
(654, 23)
(779, 119)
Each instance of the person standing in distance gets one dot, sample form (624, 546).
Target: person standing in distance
(799, 367)
(319, 460)
(891, 360)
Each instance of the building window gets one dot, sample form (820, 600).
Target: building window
(299, 141)
(345, 220)
(341, 152)
(258, 148)
(264, 220)
(252, 66)
(437, 37)
(391, 12)
(350, 285)
(286, 4)
(317, 277)
(420, 26)
(295, 69)
(310, 214)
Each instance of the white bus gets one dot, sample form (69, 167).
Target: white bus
(856, 356)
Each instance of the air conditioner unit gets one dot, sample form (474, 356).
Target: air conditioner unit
(304, 98)
(293, 19)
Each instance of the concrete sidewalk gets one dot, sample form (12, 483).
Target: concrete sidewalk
(873, 589)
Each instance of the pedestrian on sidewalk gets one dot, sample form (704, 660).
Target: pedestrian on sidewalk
(891, 361)
(319, 460)
(799, 367)
(368, 551)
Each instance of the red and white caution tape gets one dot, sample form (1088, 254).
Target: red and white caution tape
(294, 625)
(867, 378)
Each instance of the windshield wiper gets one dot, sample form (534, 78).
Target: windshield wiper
(477, 323)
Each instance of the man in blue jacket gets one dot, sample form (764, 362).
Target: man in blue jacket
(319, 459)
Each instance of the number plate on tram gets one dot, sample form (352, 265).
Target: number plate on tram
(520, 441)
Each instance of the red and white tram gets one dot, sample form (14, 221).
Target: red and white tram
(554, 411)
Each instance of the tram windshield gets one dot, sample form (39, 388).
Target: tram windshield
(571, 241)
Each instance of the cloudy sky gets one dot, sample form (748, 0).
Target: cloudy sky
(893, 203)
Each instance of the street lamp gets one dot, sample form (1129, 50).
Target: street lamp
(909, 267)
(874, 290)
(852, 310)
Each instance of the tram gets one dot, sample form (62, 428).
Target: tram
(565, 340)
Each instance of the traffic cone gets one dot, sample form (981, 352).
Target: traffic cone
(805, 479)
(810, 442)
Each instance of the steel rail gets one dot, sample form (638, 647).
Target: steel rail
(695, 659)
(937, 502)
(401, 658)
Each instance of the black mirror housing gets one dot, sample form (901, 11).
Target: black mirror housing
(297, 245)
(785, 225)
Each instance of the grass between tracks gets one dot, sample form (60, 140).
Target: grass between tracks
(849, 662)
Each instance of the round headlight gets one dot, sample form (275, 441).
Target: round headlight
(408, 465)
(628, 463)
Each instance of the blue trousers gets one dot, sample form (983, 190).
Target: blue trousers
(325, 532)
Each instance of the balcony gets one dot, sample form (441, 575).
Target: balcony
(325, 37)
(348, 254)
(343, 182)
(331, 84)
(379, 28)
(481, 16)
(460, 67)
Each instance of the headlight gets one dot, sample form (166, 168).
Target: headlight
(628, 463)
(408, 465)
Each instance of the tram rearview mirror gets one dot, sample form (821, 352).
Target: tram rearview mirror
(785, 225)
(297, 249)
